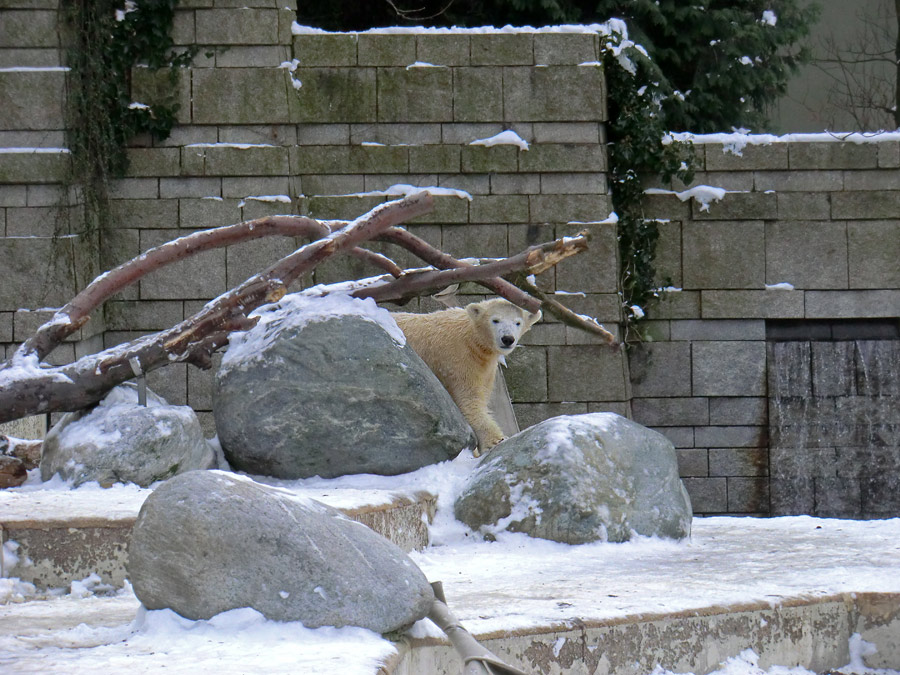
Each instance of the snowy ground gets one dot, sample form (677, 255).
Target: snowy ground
(515, 582)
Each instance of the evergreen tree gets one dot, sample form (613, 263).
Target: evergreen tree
(722, 62)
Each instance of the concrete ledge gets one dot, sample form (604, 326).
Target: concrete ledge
(810, 632)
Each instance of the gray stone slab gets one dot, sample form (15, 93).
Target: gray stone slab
(554, 94)
(768, 304)
(746, 462)
(567, 208)
(585, 373)
(884, 179)
(558, 49)
(852, 304)
(726, 329)
(748, 495)
(729, 369)
(513, 49)
(377, 49)
(33, 167)
(526, 375)
(660, 369)
(833, 155)
(751, 158)
(803, 205)
(693, 462)
(326, 49)
(674, 411)
(477, 97)
(807, 254)
(443, 49)
(738, 410)
(724, 255)
(415, 94)
(34, 99)
(564, 158)
(708, 495)
(874, 254)
(865, 205)
(242, 27)
(252, 96)
(738, 206)
(37, 272)
(201, 276)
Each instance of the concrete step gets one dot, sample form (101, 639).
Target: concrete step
(65, 535)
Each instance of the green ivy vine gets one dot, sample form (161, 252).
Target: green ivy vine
(106, 40)
(637, 150)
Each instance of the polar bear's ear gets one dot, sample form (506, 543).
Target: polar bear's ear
(474, 310)
(534, 318)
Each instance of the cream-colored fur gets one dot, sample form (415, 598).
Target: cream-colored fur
(462, 347)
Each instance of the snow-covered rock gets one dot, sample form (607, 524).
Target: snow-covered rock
(327, 386)
(577, 479)
(209, 541)
(121, 441)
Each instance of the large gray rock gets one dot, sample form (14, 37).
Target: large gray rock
(120, 441)
(209, 541)
(328, 387)
(577, 479)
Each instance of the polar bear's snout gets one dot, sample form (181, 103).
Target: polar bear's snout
(508, 341)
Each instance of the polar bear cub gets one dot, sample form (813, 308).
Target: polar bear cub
(462, 347)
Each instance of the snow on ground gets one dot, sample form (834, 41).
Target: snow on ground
(515, 582)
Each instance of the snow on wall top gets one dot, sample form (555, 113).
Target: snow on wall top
(736, 141)
(605, 28)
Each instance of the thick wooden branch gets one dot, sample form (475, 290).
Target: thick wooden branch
(26, 388)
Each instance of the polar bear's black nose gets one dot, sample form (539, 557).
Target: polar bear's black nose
(507, 340)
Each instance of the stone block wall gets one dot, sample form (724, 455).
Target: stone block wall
(806, 231)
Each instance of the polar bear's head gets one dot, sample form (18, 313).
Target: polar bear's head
(500, 324)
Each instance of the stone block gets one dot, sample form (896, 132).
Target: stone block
(201, 276)
(170, 383)
(586, 373)
(6, 326)
(42, 221)
(748, 495)
(136, 188)
(28, 28)
(742, 411)
(546, 333)
(681, 437)
(244, 260)
(491, 49)
(353, 159)
(660, 369)
(463, 241)
(570, 132)
(708, 495)
(380, 49)
(414, 94)
(326, 49)
(443, 49)
(768, 304)
(729, 369)
(605, 307)
(724, 255)
(144, 162)
(735, 329)
(562, 49)
(30, 58)
(515, 184)
(594, 271)
(34, 99)
(738, 206)
(692, 462)
(260, 134)
(677, 305)
(665, 207)
(154, 87)
(253, 26)
(884, 179)
(554, 94)
(337, 208)
(738, 462)
(474, 184)
(526, 375)
(150, 315)
(822, 156)
(731, 181)
(37, 271)
(865, 205)
(499, 209)
(463, 133)
(889, 155)
(251, 96)
(807, 254)
(675, 411)
(751, 158)
(324, 184)
(489, 159)
(529, 414)
(196, 188)
(803, 205)
(564, 158)
(261, 206)
(323, 134)
(242, 160)
(33, 166)
(852, 304)
(251, 186)
(874, 254)
(254, 56)
(412, 134)
(183, 28)
(184, 135)
(434, 159)
(13, 195)
(200, 386)
(477, 97)
(569, 208)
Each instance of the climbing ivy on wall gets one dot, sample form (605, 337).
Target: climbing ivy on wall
(638, 151)
(106, 40)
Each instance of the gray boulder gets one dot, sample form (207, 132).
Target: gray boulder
(327, 386)
(120, 441)
(577, 479)
(209, 541)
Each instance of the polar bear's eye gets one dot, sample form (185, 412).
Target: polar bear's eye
(518, 323)
(495, 320)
